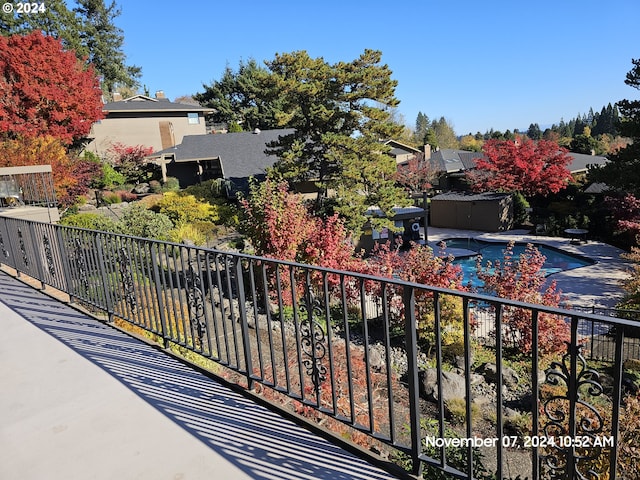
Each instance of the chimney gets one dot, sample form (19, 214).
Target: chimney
(427, 151)
(117, 97)
(160, 94)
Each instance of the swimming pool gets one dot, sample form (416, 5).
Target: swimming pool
(556, 259)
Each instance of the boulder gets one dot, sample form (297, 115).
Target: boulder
(141, 188)
(453, 385)
(490, 372)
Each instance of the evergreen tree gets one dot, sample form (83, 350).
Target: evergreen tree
(584, 143)
(623, 169)
(55, 20)
(431, 139)
(534, 132)
(104, 41)
(339, 113)
(422, 126)
(444, 133)
(88, 30)
(242, 97)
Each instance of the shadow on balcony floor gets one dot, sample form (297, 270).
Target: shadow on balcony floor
(247, 438)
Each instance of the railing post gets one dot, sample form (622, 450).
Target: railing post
(67, 281)
(38, 259)
(617, 398)
(158, 284)
(105, 279)
(411, 340)
(244, 324)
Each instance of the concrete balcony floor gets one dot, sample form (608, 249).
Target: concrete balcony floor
(81, 400)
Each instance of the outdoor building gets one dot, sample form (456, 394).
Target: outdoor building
(150, 122)
(408, 220)
(490, 212)
(236, 157)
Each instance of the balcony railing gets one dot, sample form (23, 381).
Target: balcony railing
(28, 192)
(356, 351)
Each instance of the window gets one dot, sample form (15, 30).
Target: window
(193, 118)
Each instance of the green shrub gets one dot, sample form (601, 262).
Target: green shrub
(155, 186)
(520, 209)
(228, 214)
(209, 191)
(91, 221)
(111, 178)
(171, 185)
(140, 222)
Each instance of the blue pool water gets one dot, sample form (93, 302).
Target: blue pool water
(556, 260)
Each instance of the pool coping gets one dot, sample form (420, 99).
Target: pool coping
(592, 285)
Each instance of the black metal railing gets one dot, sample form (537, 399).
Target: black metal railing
(28, 185)
(375, 358)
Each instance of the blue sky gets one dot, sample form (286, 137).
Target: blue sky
(480, 64)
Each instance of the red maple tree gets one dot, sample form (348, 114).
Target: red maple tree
(523, 279)
(525, 166)
(45, 90)
(280, 226)
(417, 175)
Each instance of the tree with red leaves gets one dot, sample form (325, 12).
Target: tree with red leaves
(129, 160)
(280, 226)
(417, 175)
(45, 90)
(524, 166)
(421, 265)
(522, 279)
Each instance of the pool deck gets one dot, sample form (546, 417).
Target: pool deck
(594, 285)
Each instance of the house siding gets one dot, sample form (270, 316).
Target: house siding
(141, 130)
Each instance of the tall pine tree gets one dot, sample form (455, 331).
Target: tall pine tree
(623, 169)
(88, 30)
(104, 42)
(340, 112)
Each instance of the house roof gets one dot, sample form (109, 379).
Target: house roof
(398, 148)
(581, 162)
(451, 161)
(142, 103)
(242, 154)
(470, 197)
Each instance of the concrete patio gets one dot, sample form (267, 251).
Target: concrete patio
(81, 400)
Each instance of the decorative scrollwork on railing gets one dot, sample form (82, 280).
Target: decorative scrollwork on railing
(313, 339)
(589, 423)
(81, 265)
(195, 300)
(5, 253)
(48, 255)
(127, 279)
(23, 249)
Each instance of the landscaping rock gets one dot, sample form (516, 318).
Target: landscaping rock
(453, 385)
(141, 188)
(490, 372)
(459, 361)
(87, 207)
(376, 359)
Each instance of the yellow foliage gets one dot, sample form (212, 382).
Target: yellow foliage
(182, 208)
(451, 323)
(187, 231)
